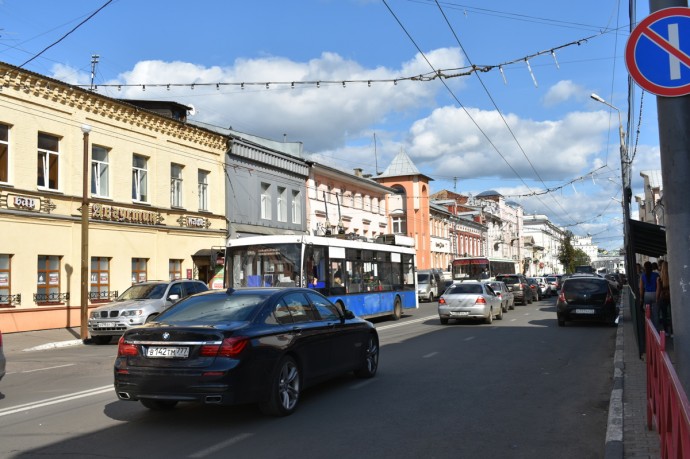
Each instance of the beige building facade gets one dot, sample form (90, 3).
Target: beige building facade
(155, 194)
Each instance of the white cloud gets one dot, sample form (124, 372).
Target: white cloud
(563, 91)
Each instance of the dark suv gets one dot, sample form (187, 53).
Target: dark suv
(517, 283)
(587, 297)
(137, 305)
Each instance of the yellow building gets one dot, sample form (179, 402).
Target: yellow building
(154, 190)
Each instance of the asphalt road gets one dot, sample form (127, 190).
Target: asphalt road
(519, 388)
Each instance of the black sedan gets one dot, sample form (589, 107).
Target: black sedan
(587, 297)
(254, 345)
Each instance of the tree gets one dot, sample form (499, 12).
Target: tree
(566, 254)
(581, 258)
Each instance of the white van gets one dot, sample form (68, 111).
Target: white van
(429, 284)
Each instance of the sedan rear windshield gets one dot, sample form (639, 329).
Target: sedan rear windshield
(215, 308)
(509, 279)
(464, 288)
(585, 286)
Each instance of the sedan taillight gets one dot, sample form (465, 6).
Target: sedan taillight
(561, 297)
(441, 300)
(480, 300)
(230, 347)
(125, 349)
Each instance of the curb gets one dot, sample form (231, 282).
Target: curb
(614, 428)
(74, 342)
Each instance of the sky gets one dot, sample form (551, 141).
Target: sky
(376, 77)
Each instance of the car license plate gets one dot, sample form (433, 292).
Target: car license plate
(459, 313)
(106, 325)
(167, 352)
(584, 311)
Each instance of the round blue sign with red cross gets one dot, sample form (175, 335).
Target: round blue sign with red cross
(658, 52)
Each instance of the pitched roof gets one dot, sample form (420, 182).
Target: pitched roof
(401, 165)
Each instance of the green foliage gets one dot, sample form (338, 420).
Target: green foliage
(569, 256)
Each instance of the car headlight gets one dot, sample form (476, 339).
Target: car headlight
(131, 313)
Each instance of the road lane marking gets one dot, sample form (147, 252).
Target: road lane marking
(222, 445)
(55, 400)
(407, 322)
(43, 369)
(429, 355)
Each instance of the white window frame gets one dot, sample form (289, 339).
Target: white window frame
(176, 185)
(100, 173)
(296, 206)
(281, 206)
(5, 159)
(44, 160)
(203, 189)
(139, 179)
(266, 211)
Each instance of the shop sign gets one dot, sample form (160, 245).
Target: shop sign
(121, 214)
(193, 222)
(19, 202)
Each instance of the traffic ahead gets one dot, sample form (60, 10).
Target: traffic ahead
(521, 387)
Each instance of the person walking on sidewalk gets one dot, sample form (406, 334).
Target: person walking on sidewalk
(663, 298)
(648, 282)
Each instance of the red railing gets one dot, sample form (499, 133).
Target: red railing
(667, 404)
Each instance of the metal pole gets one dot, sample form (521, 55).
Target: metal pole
(674, 145)
(84, 331)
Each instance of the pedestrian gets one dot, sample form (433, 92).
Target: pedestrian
(648, 280)
(663, 298)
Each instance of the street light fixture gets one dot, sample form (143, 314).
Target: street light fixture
(627, 192)
(84, 332)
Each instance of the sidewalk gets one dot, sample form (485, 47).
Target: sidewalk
(626, 434)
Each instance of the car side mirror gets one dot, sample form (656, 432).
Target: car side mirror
(348, 314)
(173, 297)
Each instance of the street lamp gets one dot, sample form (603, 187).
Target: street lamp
(627, 192)
(84, 332)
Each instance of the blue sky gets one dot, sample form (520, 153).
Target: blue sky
(525, 127)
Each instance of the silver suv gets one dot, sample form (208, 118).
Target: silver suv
(137, 305)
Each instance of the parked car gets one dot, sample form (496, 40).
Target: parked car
(469, 300)
(2, 359)
(429, 284)
(517, 283)
(587, 297)
(506, 296)
(250, 345)
(137, 305)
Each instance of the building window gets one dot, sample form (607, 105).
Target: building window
(175, 185)
(5, 280)
(139, 270)
(399, 226)
(48, 161)
(282, 204)
(203, 190)
(48, 279)
(4, 153)
(99, 289)
(296, 207)
(175, 269)
(139, 178)
(99, 172)
(265, 201)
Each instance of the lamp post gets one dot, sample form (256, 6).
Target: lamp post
(84, 332)
(627, 193)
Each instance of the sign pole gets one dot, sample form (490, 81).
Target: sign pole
(674, 144)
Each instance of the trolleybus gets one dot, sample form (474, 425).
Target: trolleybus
(481, 267)
(370, 279)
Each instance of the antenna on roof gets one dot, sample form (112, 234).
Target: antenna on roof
(376, 158)
(94, 61)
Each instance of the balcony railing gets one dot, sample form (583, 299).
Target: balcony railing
(103, 296)
(667, 404)
(50, 297)
(9, 301)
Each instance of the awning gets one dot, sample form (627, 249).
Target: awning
(206, 257)
(647, 238)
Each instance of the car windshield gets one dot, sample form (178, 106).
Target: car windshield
(422, 278)
(508, 279)
(551, 279)
(215, 308)
(496, 286)
(464, 288)
(585, 286)
(143, 292)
